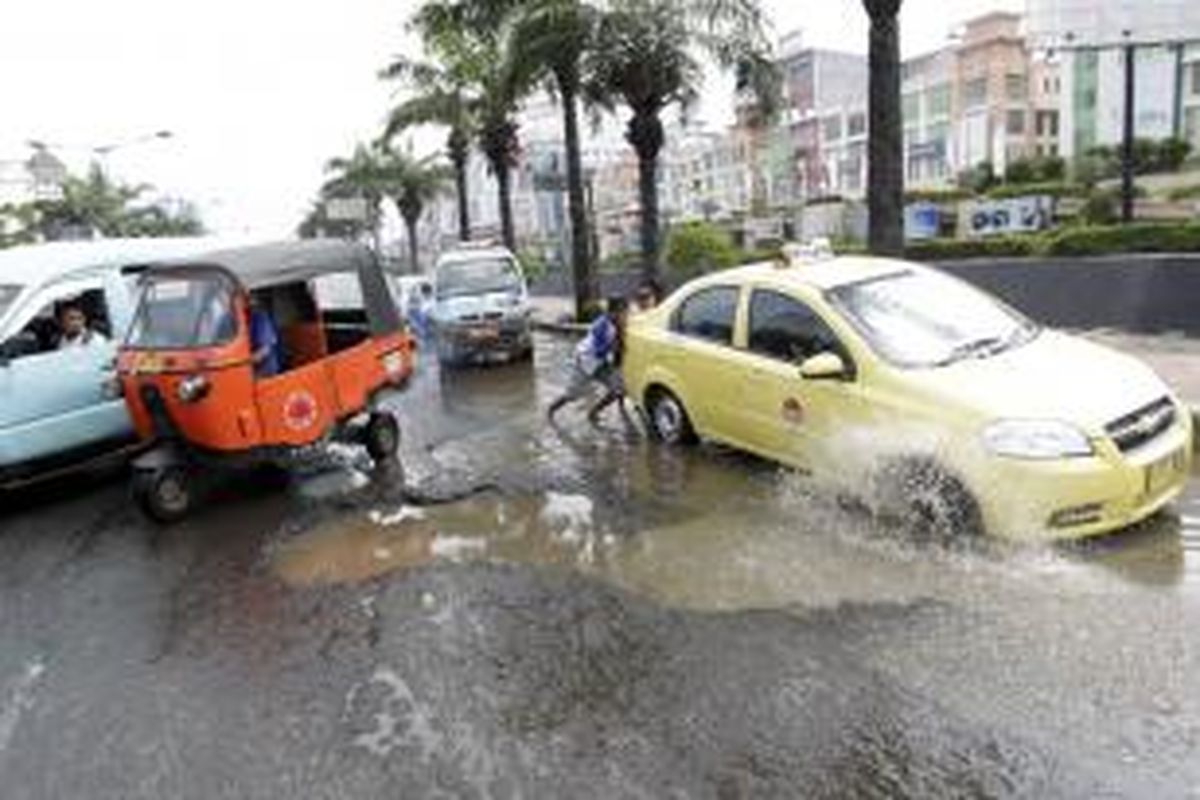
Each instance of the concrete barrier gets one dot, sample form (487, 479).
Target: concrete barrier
(1133, 293)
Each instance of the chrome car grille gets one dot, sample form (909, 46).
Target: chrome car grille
(1143, 425)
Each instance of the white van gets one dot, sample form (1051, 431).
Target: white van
(59, 405)
(481, 305)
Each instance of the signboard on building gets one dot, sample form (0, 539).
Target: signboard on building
(1015, 215)
(346, 209)
(921, 221)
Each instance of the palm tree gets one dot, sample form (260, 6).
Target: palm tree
(360, 175)
(464, 37)
(441, 99)
(553, 36)
(885, 143)
(647, 55)
(412, 183)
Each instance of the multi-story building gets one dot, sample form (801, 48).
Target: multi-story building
(827, 117)
(927, 103)
(1088, 40)
(1000, 93)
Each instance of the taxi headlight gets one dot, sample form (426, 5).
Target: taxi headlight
(1036, 439)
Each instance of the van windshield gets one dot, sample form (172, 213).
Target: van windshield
(8, 293)
(182, 313)
(477, 277)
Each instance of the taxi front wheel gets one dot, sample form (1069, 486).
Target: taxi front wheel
(668, 420)
(165, 495)
(931, 505)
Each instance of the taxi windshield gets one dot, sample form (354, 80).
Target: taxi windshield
(479, 276)
(8, 293)
(926, 320)
(184, 312)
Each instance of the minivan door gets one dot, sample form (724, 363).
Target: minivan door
(54, 399)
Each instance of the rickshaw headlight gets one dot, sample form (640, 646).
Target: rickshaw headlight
(192, 389)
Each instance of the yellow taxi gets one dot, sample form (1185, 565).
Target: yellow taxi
(926, 398)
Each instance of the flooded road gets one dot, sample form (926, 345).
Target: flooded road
(528, 611)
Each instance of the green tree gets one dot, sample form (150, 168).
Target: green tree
(696, 247)
(96, 205)
(647, 55)
(554, 36)
(885, 140)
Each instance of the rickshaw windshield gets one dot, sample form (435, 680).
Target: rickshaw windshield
(180, 313)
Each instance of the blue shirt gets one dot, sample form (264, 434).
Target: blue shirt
(599, 347)
(263, 334)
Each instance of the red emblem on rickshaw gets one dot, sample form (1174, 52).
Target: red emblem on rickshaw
(299, 410)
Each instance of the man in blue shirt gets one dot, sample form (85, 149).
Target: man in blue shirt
(264, 342)
(596, 360)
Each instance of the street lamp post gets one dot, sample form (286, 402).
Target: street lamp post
(1127, 140)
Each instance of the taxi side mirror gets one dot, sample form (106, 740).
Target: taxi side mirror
(823, 366)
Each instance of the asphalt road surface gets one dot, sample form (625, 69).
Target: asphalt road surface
(530, 612)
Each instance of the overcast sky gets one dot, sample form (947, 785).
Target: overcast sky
(259, 94)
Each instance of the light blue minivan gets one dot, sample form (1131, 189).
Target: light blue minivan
(58, 404)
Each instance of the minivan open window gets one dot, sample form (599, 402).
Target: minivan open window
(184, 313)
(8, 293)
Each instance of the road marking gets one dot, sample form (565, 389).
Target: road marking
(18, 697)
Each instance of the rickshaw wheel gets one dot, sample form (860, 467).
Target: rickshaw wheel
(164, 495)
(382, 436)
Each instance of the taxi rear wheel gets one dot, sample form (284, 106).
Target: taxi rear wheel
(382, 436)
(165, 495)
(669, 421)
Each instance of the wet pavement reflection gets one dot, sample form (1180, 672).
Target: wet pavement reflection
(519, 602)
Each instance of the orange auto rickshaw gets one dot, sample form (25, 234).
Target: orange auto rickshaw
(231, 361)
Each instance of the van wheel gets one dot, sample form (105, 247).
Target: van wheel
(930, 505)
(165, 495)
(669, 422)
(447, 353)
(382, 436)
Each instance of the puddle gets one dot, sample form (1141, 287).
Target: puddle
(702, 528)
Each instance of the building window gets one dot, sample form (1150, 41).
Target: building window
(908, 107)
(1053, 123)
(857, 124)
(833, 128)
(937, 135)
(975, 93)
(939, 100)
(1196, 78)
(1015, 88)
(1015, 123)
(1089, 99)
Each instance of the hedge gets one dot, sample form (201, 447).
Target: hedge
(990, 247)
(1136, 238)
(1083, 240)
(1052, 188)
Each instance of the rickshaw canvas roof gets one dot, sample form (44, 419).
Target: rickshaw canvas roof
(264, 265)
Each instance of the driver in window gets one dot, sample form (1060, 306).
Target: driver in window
(73, 328)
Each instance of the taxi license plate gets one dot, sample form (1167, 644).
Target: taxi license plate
(1161, 473)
